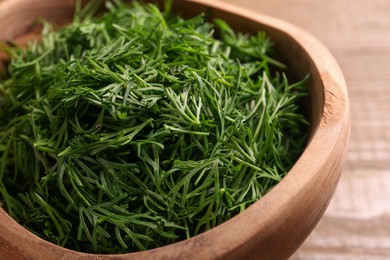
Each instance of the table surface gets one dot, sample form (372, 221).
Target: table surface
(356, 224)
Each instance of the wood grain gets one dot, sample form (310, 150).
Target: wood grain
(356, 224)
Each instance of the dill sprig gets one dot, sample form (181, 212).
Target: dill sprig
(136, 128)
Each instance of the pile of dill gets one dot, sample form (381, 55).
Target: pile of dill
(137, 128)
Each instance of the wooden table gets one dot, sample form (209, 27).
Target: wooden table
(357, 222)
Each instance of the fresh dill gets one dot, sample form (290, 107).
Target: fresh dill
(137, 128)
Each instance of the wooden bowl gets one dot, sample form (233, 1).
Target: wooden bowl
(276, 225)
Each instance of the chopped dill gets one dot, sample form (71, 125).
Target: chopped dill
(136, 128)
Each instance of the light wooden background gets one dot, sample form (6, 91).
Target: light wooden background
(357, 222)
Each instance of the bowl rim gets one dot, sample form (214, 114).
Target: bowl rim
(331, 130)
